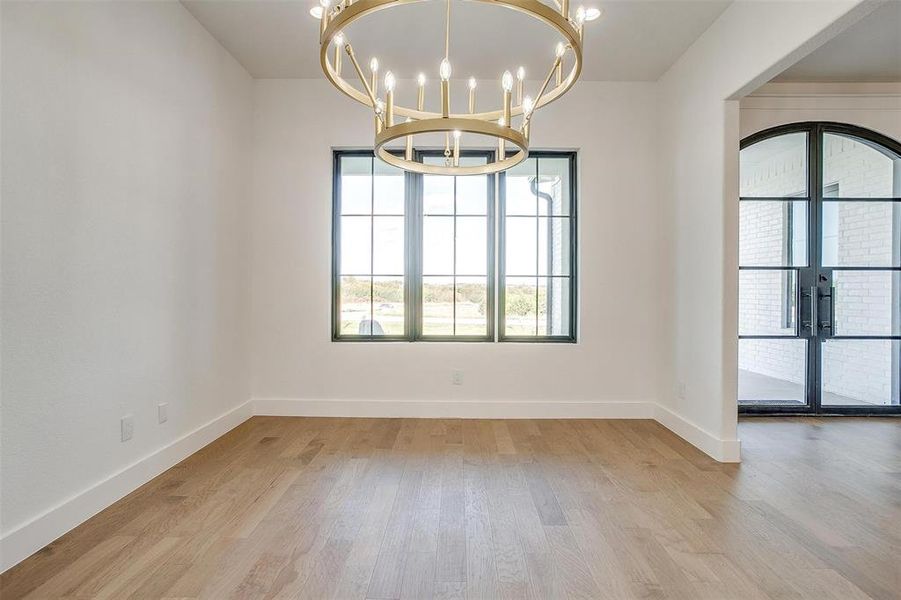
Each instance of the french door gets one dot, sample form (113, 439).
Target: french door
(820, 271)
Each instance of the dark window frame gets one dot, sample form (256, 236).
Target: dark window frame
(571, 336)
(413, 254)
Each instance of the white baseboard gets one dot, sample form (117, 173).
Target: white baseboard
(454, 409)
(22, 542)
(720, 450)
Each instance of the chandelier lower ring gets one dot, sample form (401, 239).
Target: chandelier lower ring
(533, 8)
(449, 125)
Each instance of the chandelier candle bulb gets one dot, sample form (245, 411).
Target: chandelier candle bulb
(339, 42)
(408, 151)
(520, 77)
(389, 91)
(507, 84)
(374, 70)
(444, 71)
(420, 101)
(472, 95)
(323, 21)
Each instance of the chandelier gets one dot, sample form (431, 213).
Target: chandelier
(509, 124)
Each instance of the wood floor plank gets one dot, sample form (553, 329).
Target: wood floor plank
(417, 508)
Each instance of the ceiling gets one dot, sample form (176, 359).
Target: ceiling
(634, 40)
(868, 51)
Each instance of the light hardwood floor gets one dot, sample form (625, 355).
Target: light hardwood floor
(405, 508)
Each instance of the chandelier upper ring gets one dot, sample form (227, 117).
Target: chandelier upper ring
(532, 8)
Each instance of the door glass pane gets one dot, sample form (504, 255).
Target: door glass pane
(471, 304)
(856, 169)
(867, 302)
(861, 234)
(767, 302)
(860, 372)
(438, 305)
(775, 167)
(772, 234)
(388, 305)
(520, 305)
(772, 372)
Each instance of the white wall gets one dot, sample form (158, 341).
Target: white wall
(125, 160)
(612, 125)
(698, 111)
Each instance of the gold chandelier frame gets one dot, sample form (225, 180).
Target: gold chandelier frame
(494, 123)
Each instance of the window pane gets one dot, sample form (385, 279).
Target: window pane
(772, 372)
(438, 305)
(553, 305)
(388, 305)
(860, 372)
(437, 195)
(867, 302)
(856, 169)
(356, 247)
(354, 306)
(388, 189)
(472, 195)
(472, 246)
(767, 302)
(553, 187)
(772, 234)
(438, 246)
(471, 306)
(520, 306)
(520, 199)
(388, 245)
(861, 234)
(775, 168)
(521, 246)
(356, 185)
(553, 246)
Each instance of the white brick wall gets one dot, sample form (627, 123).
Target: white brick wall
(855, 234)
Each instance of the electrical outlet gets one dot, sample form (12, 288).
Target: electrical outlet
(127, 427)
(680, 391)
(162, 412)
(457, 377)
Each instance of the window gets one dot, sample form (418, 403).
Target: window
(415, 257)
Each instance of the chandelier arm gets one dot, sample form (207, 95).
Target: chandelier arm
(447, 32)
(353, 60)
(547, 81)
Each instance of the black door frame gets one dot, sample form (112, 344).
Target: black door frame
(816, 277)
